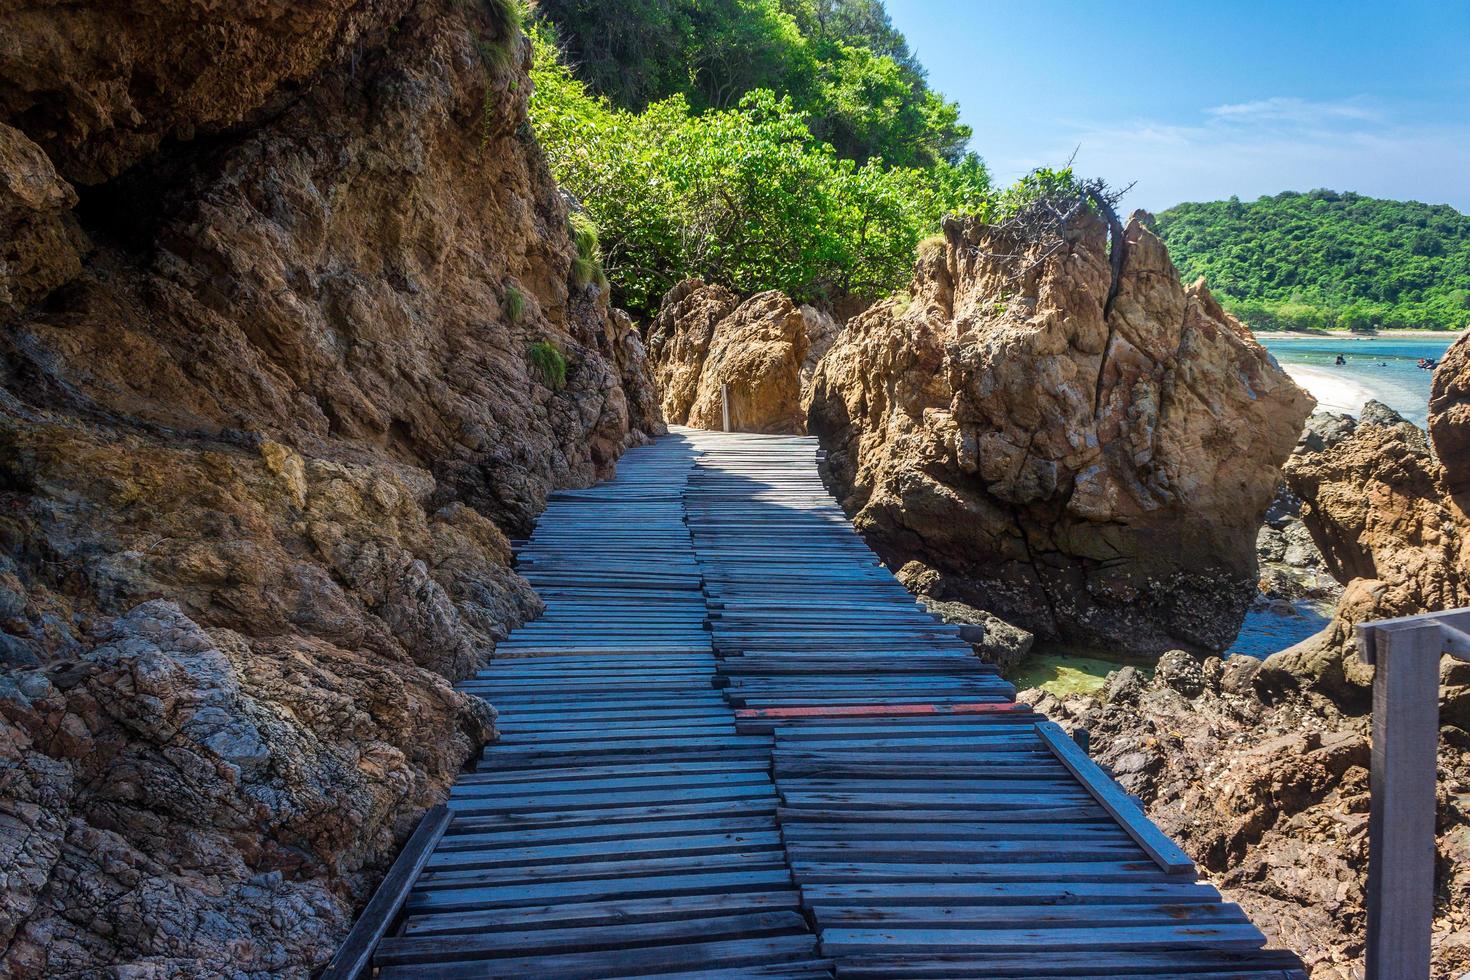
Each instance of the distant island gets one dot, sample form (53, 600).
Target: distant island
(1325, 260)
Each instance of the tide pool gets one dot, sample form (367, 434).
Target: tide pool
(1385, 368)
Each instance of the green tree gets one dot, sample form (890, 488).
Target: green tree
(846, 70)
(747, 196)
(1328, 259)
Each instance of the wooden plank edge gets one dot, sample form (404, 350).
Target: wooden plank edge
(1166, 854)
(354, 956)
(862, 710)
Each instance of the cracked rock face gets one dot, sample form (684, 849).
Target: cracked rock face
(265, 421)
(186, 802)
(763, 351)
(1093, 471)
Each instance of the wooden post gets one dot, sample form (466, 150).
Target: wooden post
(1401, 846)
(725, 405)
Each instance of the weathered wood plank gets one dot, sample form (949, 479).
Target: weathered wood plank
(355, 953)
(1111, 796)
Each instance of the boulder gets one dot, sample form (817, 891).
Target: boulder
(1376, 500)
(1089, 459)
(1182, 672)
(705, 344)
(209, 797)
(41, 244)
(1449, 418)
(994, 640)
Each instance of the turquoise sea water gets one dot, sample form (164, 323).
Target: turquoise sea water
(1381, 368)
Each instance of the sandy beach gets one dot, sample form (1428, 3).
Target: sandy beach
(1333, 391)
(1343, 335)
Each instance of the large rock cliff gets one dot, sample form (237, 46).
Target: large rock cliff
(1084, 450)
(270, 280)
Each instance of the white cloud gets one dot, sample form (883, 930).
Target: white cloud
(1265, 147)
(1289, 109)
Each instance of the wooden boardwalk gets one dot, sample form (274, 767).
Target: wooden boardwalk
(735, 747)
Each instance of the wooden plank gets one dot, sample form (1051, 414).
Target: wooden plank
(1038, 964)
(355, 953)
(603, 938)
(614, 963)
(1115, 800)
(900, 893)
(568, 914)
(848, 941)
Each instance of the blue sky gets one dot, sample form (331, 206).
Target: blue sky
(1198, 101)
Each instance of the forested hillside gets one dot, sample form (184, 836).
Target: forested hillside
(789, 144)
(1324, 259)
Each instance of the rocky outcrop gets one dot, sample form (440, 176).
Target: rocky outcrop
(1269, 794)
(1087, 457)
(995, 641)
(1267, 789)
(705, 342)
(1449, 418)
(1261, 769)
(190, 798)
(1378, 505)
(272, 276)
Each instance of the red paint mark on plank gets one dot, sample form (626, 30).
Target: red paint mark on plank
(837, 711)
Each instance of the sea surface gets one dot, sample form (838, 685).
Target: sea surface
(1382, 368)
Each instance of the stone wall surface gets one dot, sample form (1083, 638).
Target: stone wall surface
(267, 415)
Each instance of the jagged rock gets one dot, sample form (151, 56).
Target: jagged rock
(1300, 550)
(259, 453)
(764, 349)
(1378, 507)
(1449, 418)
(821, 333)
(1093, 470)
(1270, 544)
(1182, 672)
(756, 355)
(1001, 644)
(188, 802)
(104, 84)
(40, 242)
(679, 340)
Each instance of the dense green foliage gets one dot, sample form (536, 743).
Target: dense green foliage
(846, 70)
(587, 264)
(550, 363)
(746, 196)
(515, 303)
(1323, 259)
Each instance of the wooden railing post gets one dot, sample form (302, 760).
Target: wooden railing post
(1401, 846)
(725, 406)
